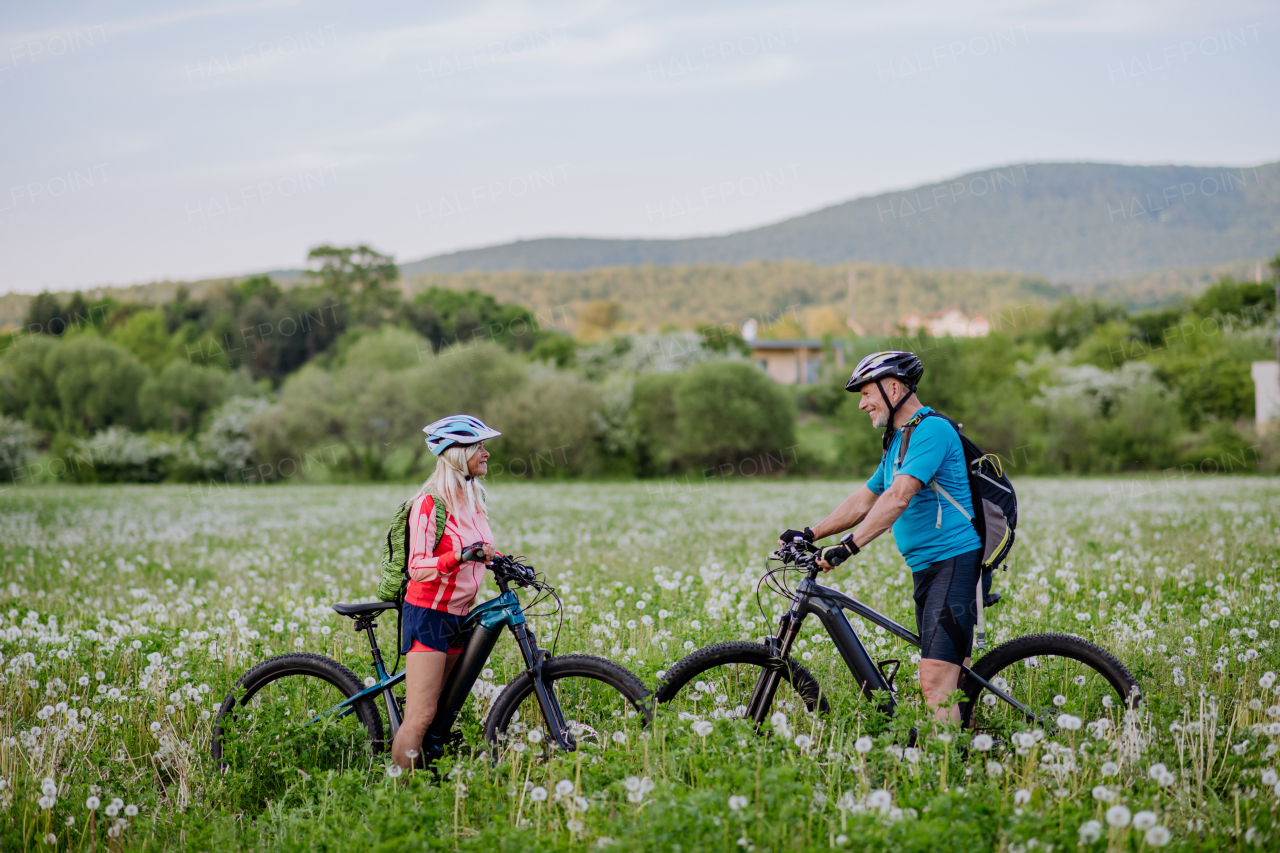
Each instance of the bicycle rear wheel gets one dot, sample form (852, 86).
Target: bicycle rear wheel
(281, 705)
(725, 675)
(1053, 675)
(600, 700)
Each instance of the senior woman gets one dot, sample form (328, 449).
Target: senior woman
(442, 587)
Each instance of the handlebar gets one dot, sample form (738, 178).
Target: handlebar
(510, 570)
(505, 569)
(801, 554)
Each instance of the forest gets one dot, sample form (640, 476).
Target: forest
(331, 379)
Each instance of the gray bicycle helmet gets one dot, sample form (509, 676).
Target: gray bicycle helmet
(891, 364)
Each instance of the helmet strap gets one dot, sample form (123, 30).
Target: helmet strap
(889, 429)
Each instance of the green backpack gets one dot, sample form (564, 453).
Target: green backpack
(394, 576)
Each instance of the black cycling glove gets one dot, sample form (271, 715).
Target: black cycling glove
(834, 555)
(792, 535)
(473, 553)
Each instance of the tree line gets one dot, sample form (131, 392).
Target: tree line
(256, 382)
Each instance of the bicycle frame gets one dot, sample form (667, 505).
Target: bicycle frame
(486, 622)
(812, 598)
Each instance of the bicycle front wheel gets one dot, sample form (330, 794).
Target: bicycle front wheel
(725, 675)
(602, 702)
(284, 704)
(1052, 675)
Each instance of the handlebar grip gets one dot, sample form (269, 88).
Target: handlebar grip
(473, 553)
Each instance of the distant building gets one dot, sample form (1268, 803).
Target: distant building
(949, 322)
(792, 362)
(1266, 394)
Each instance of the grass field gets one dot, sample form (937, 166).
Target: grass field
(127, 613)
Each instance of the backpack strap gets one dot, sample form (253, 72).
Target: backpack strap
(908, 429)
(938, 490)
(441, 511)
(442, 515)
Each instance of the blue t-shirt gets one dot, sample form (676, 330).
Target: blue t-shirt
(933, 454)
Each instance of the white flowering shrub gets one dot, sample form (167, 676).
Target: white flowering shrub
(228, 441)
(17, 444)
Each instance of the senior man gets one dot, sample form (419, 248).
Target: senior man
(914, 494)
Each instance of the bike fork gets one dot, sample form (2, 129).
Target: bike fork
(767, 684)
(552, 714)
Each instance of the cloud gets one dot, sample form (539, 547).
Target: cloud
(130, 26)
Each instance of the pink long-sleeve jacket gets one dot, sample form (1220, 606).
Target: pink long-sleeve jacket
(436, 580)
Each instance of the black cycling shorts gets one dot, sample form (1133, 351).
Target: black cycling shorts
(425, 629)
(947, 606)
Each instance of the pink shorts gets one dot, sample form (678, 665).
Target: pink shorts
(419, 647)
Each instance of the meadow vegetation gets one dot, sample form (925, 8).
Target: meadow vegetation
(126, 612)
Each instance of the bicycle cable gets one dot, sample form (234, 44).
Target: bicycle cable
(544, 589)
(775, 580)
(775, 584)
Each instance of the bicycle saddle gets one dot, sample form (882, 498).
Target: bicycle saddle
(363, 608)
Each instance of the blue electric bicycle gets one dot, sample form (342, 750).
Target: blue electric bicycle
(566, 699)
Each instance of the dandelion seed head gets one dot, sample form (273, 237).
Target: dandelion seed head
(1118, 816)
(1090, 831)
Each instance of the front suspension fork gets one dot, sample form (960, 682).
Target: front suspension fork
(767, 684)
(534, 659)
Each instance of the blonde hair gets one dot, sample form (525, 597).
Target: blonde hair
(451, 480)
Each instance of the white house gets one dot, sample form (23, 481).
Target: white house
(1266, 394)
(949, 322)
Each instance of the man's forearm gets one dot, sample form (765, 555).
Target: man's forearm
(887, 509)
(850, 512)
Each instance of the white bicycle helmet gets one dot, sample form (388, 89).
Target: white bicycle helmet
(456, 429)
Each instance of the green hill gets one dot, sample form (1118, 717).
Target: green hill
(1068, 222)
(813, 296)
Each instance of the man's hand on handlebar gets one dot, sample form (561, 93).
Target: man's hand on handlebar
(833, 555)
(789, 536)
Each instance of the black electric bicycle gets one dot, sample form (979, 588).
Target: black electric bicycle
(577, 697)
(1029, 680)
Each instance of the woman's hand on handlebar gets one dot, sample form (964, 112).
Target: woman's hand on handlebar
(480, 552)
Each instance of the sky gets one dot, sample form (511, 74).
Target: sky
(153, 140)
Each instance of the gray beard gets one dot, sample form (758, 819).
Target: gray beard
(880, 420)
